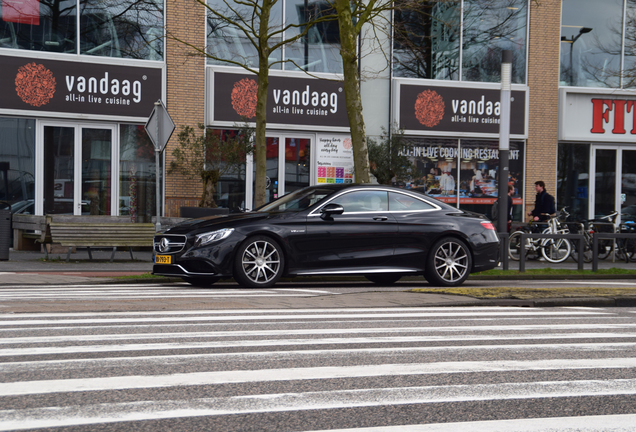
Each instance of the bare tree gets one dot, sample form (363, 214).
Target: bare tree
(260, 33)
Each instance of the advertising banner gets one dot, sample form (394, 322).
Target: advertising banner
(290, 101)
(334, 159)
(457, 109)
(75, 87)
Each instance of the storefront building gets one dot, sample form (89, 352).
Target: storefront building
(77, 83)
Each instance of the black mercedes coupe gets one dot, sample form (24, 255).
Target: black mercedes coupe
(380, 232)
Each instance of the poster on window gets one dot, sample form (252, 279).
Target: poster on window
(21, 11)
(466, 172)
(334, 159)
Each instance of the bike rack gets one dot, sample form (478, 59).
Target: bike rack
(598, 236)
(524, 236)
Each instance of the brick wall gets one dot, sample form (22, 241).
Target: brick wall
(185, 19)
(543, 80)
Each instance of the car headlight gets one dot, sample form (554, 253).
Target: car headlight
(206, 238)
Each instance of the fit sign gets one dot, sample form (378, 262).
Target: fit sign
(597, 116)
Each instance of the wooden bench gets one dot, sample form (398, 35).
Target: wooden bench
(31, 227)
(100, 232)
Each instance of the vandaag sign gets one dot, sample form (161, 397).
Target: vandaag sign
(458, 110)
(76, 87)
(290, 101)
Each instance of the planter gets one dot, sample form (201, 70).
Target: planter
(199, 212)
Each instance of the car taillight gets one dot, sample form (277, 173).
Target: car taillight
(488, 225)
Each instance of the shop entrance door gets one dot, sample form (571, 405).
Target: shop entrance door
(288, 164)
(79, 169)
(613, 181)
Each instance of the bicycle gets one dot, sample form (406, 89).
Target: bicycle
(552, 250)
(626, 248)
(588, 228)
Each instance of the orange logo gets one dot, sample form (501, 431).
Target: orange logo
(429, 108)
(347, 144)
(244, 97)
(35, 84)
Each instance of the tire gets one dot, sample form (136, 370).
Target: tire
(259, 262)
(383, 278)
(449, 263)
(604, 248)
(202, 282)
(514, 247)
(557, 250)
(588, 254)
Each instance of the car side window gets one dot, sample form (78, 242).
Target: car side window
(363, 201)
(403, 202)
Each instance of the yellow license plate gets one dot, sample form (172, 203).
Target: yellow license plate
(163, 259)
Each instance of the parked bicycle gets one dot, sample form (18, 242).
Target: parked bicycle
(552, 250)
(604, 224)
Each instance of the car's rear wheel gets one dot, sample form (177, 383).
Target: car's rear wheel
(259, 262)
(448, 263)
(202, 282)
(384, 278)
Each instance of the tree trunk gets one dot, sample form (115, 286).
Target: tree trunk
(260, 137)
(210, 179)
(348, 45)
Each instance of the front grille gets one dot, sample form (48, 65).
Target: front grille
(169, 243)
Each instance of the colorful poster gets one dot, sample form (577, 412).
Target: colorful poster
(21, 11)
(334, 159)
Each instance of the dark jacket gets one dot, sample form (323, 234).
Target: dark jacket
(544, 203)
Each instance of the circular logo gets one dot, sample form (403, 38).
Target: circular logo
(164, 245)
(346, 143)
(429, 108)
(244, 97)
(35, 84)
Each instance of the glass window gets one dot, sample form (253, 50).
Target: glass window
(401, 202)
(479, 176)
(426, 40)
(591, 34)
(122, 28)
(491, 26)
(573, 174)
(17, 163)
(227, 42)
(363, 201)
(39, 26)
(319, 50)
(137, 174)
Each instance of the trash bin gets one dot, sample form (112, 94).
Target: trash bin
(5, 234)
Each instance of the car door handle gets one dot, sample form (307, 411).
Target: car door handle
(380, 218)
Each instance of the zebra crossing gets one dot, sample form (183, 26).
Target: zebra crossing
(363, 369)
(142, 291)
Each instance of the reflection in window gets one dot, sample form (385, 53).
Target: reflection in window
(426, 40)
(227, 42)
(122, 28)
(230, 44)
(46, 25)
(491, 26)
(111, 28)
(591, 34)
(137, 174)
(17, 163)
(573, 176)
(319, 50)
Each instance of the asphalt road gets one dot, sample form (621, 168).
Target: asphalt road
(170, 368)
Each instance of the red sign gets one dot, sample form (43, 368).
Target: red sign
(601, 110)
(21, 11)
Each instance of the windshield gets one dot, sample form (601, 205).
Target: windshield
(297, 201)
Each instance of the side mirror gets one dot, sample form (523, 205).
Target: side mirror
(331, 209)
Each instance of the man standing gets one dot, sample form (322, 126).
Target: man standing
(543, 204)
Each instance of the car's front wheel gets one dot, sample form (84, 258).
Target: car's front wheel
(448, 263)
(259, 262)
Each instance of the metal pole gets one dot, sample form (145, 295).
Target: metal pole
(504, 140)
(157, 170)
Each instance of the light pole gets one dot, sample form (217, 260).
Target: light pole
(582, 31)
